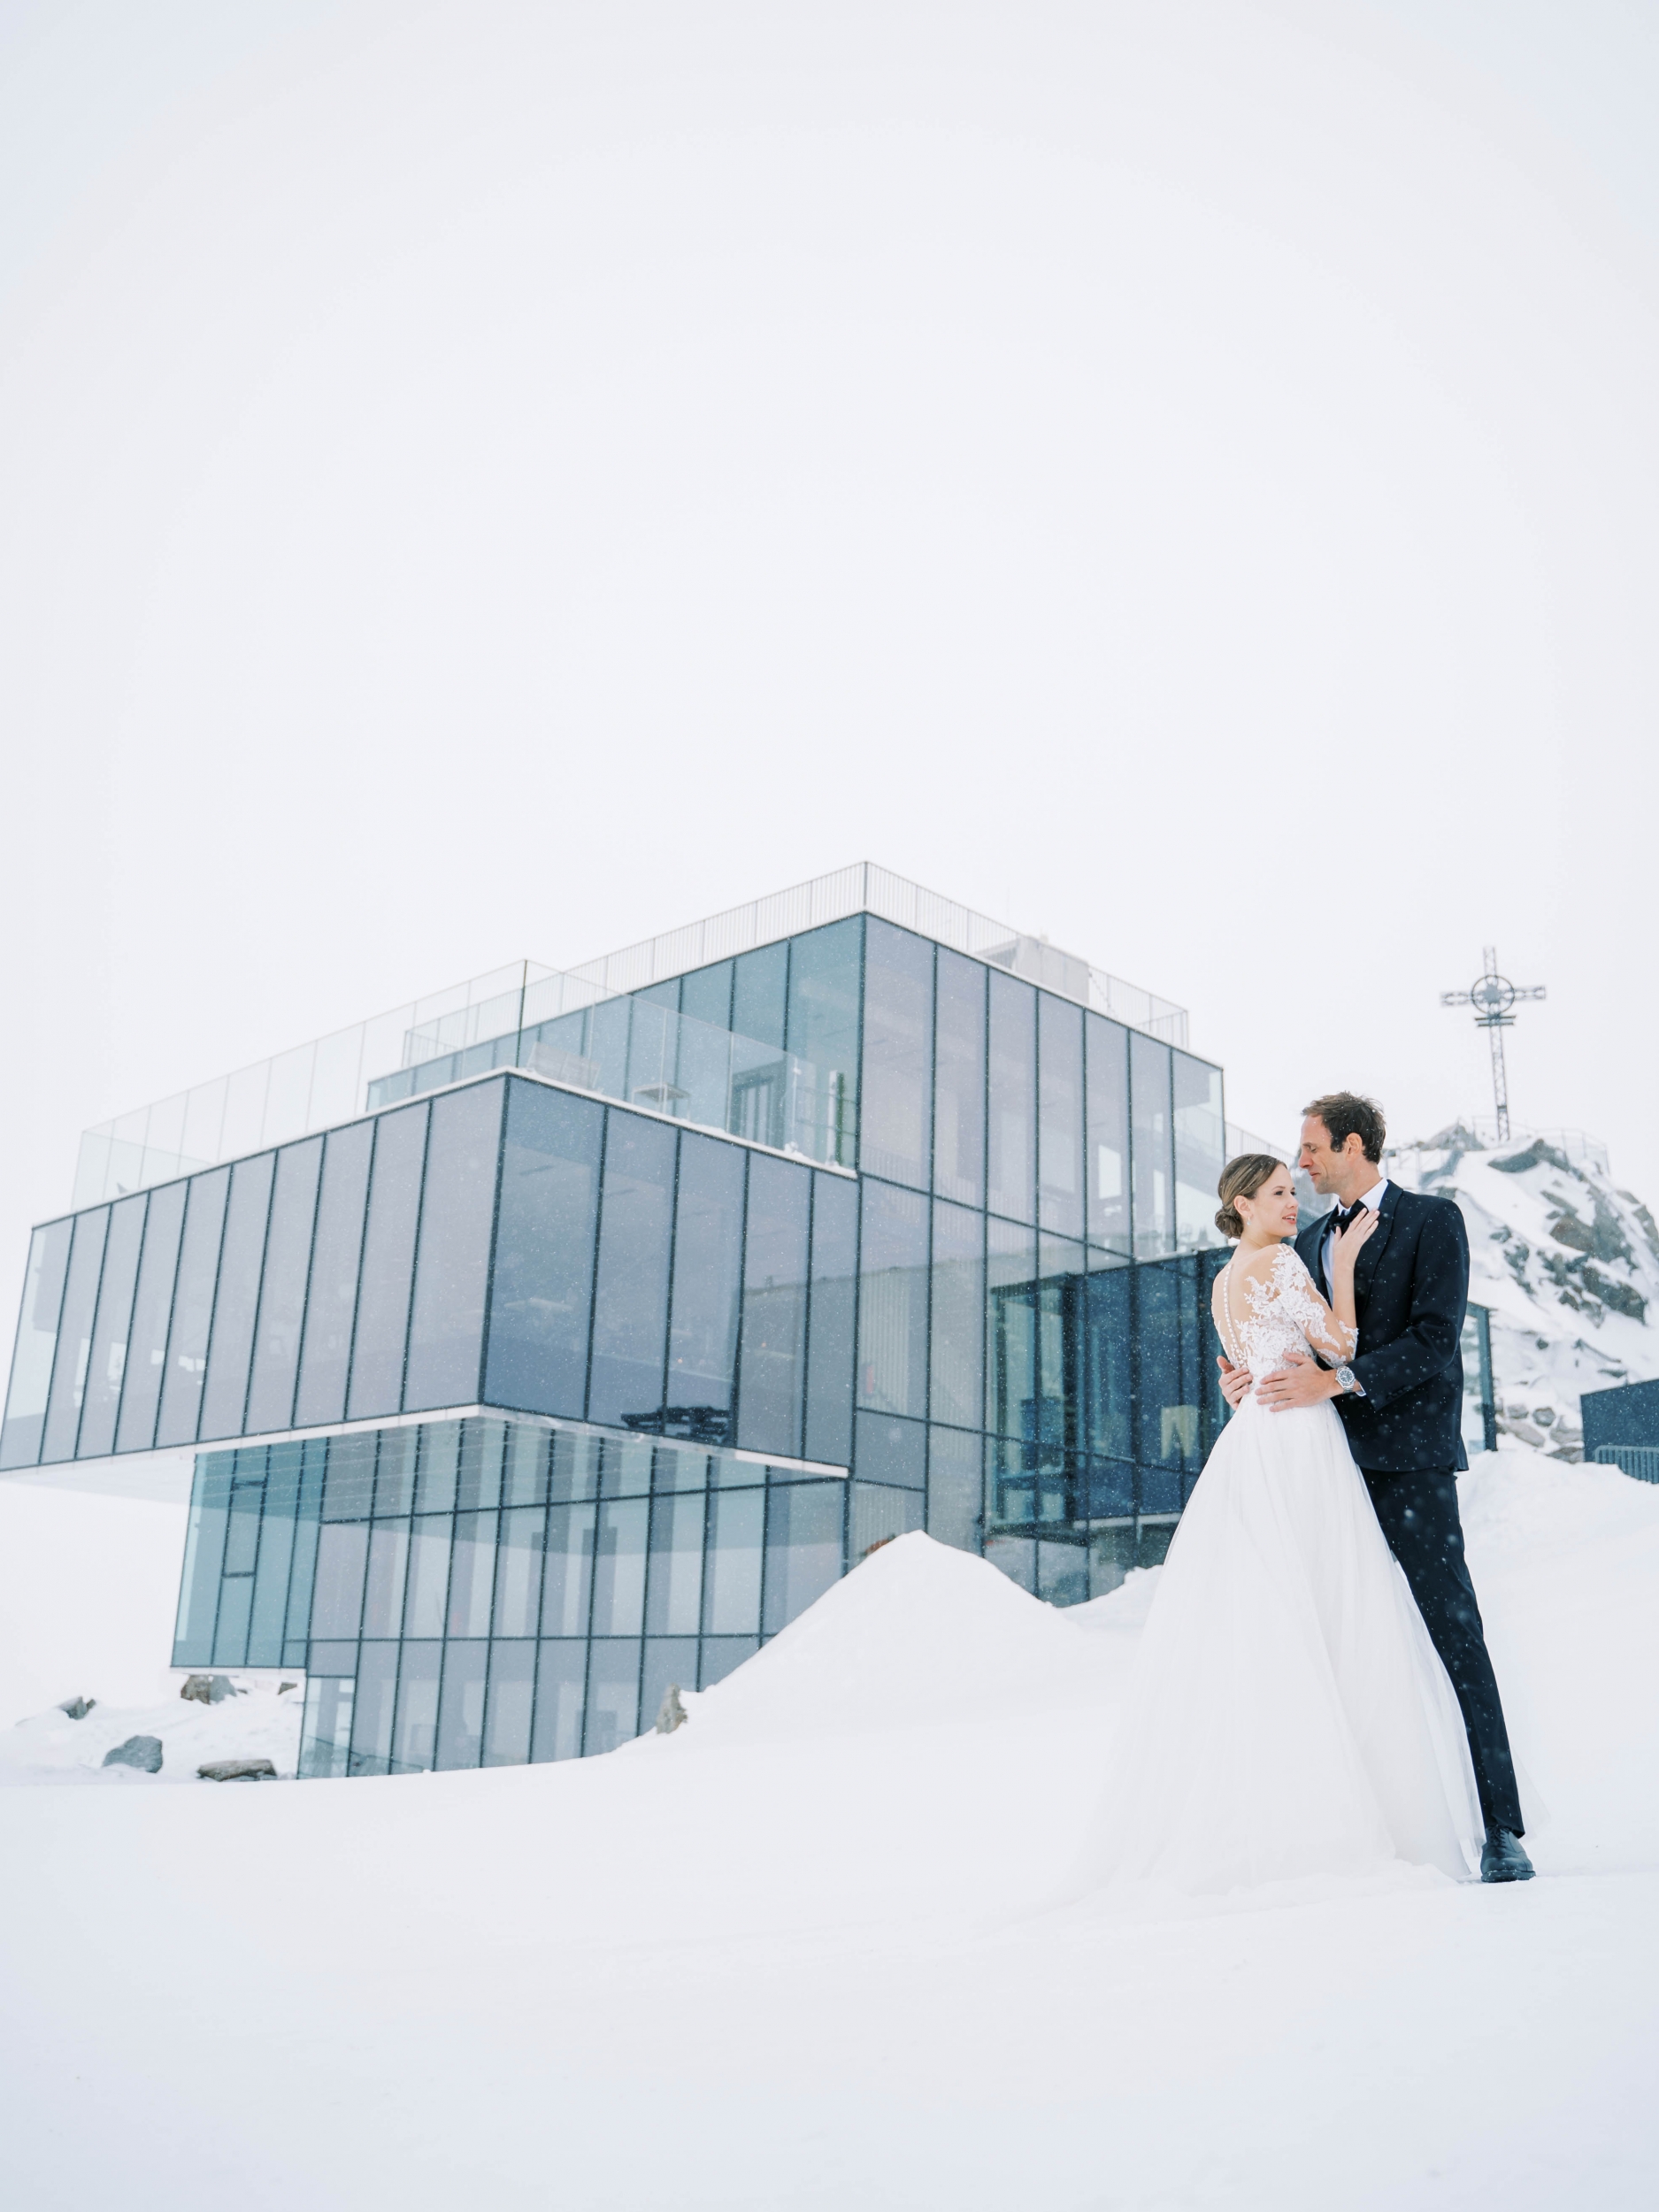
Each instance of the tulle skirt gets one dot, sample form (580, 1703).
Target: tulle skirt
(1289, 1715)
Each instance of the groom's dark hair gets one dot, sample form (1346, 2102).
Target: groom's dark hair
(1346, 1114)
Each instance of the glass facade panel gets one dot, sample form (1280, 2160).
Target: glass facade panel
(891, 1451)
(276, 1355)
(708, 1262)
(192, 1308)
(446, 1330)
(1108, 1360)
(1153, 1157)
(203, 1560)
(959, 1080)
(668, 1659)
(242, 1259)
(1107, 1097)
(561, 1686)
(342, 1552)
(1060, 1116)
(674, 1599)
(803, 1548)
(895, 1097)
(893, 1302)
(276, 1557)
(567, 1591)
(107, 1363)
(955, 1485)
(876, 1514)
(822, 1030)
(37, 1342)
(1013, 1114)
(388, 1261)
(613, 1694)
(1200, 1149)
(957, 1363)
(428, 1575)
(1057, 1429)
(830, 1349)
(774, 1307)
(705, 995)
(544, 1252)
(518, 1569)
(415, 1737)
(326, 1346)
(471, 1575)
(759, 987)
(723, 1656)
(74, 1335)
(461, 1708)
(631, 1289)
(152, 1310)
(326, 1728)
(1010, 1345)
(619, 1568)
(388, 1574)
(372, 1709)
(732, 1603)
(507, 1716)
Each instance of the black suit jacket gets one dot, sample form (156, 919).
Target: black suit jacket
(1410, 1287)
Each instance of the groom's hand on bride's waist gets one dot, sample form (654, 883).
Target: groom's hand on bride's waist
(1299, 1382)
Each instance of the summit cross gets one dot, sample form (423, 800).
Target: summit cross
(1492, 995)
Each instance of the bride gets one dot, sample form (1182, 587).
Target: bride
(1289, 1715)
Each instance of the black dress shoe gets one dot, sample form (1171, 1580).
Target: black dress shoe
(1503, 1859)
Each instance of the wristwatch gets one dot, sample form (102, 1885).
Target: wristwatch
(1349, 1382)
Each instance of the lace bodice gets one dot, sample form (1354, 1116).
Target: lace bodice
(1261, 1321)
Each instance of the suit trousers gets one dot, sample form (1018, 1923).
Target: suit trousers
(1419, 1517)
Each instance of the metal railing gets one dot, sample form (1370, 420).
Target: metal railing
(1641, 1461)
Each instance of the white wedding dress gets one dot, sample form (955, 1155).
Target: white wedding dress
(1289, 1715)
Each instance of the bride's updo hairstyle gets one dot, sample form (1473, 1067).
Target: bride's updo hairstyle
(1241, 1179)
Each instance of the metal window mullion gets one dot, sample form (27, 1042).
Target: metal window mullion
(489, 1265)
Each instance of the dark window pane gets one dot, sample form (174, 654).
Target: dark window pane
(74, 1335)
(371, 1714)
(667, 1659)
(705, 995)
(774, 1307)
(1167, 1352)
(242, 1538)
(722, 1655)
(1060, 1115)
(959, 1080)
(674, 1602)
(428, 1575)
(334, 1288)
(511, 1697)
(823, 1033)
(1057, 1429)
(1108, 1360)
(1201, 1144)
(568, 1587)
(388, 1260)
(957, 1324)
(803, 1548)
(461, 1714)
(733, 1585)
(544, 1252)
(204, 1557)
(472, 1574)
(519, 1565)
(276, 1557)
(230, 1637)
(192, 1308)
(619, 1568)
(877, 1515)
(389, 1571)
(414, 1740)
(895, 1098)
(891, 1451)
(757, 995)
(1013, 1132)
(955, 1485)
(1107, 1045)
(560, 1695)
(107, 1362)
(708, 1254)
(240, 1262)
(613, 1692)
(893, 1302)
(446, 1330)
(276, 1352)
(631, 1295)
(342, 1551)
(1154, 1182)
(830, 1346)
(37, 1342)
(1011, 1344)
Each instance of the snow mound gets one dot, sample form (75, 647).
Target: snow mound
(916, 1635)
(261, 1721)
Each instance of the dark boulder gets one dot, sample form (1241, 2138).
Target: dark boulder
(142, 1752)
(237, 1771)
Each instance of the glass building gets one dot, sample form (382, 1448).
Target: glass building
(619, 1312)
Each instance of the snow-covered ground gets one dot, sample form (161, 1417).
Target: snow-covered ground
(798, 1954)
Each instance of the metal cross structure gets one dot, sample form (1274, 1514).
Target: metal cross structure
(1492, 995)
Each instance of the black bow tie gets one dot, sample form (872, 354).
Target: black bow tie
(1342, 1216)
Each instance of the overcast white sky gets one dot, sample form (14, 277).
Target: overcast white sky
(489, 478)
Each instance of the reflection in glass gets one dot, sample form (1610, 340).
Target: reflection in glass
(414, 1740)
(630, 1291)
(877, 1515)
(829, 1409)
(1109, 1357)
(388, 1570)
(758, 985)
(544, 1252)
(326, 1728)
(1060, 1115)
(511, 1695)
(1057, 1428)
(1154, 1182)
(560, 1695)
(613, 1694)
(893, 1302)
(1201, 1141)
(955, 1485)
(957, 1322)
(732, 1601)
(895, 1121)
(774, 1307)
(192, 1308)
(37, 1341)
(388, 1261)
(1012, 1133)
(518, 1567)
(1107, 1044)
(619, 1568)
(342, 1550)
(276, 1555)
(153, 1307)
(446, 1326)
(241, 1261)
(472, 1574)
(326, 1346)
(823, 1031)
(428, 1575)
(803, 1548)
(674, 1603)
(891, 1451)
(708, 1257)
(371, 1720)
(276, 1355)
(461, 1713)
(1010, 1345)
(959, 1080)
(74, 1335)
(723, 1656)
(568, 1589)
(107, 1362)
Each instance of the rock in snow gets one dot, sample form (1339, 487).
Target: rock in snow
(142, 1752)
(208, 1689)
(77, 1708)
(237, 1771)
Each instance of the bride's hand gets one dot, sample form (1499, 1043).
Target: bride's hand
(1345, 1251)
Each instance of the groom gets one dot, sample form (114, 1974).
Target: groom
(1400, 1403)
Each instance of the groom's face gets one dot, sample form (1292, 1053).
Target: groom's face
(1324, 1165)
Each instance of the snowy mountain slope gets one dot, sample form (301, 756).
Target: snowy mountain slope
(1567, 1263)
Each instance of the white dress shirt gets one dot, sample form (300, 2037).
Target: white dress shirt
(1372, 1198)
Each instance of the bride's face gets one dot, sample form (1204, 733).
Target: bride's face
(1270, 1214)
